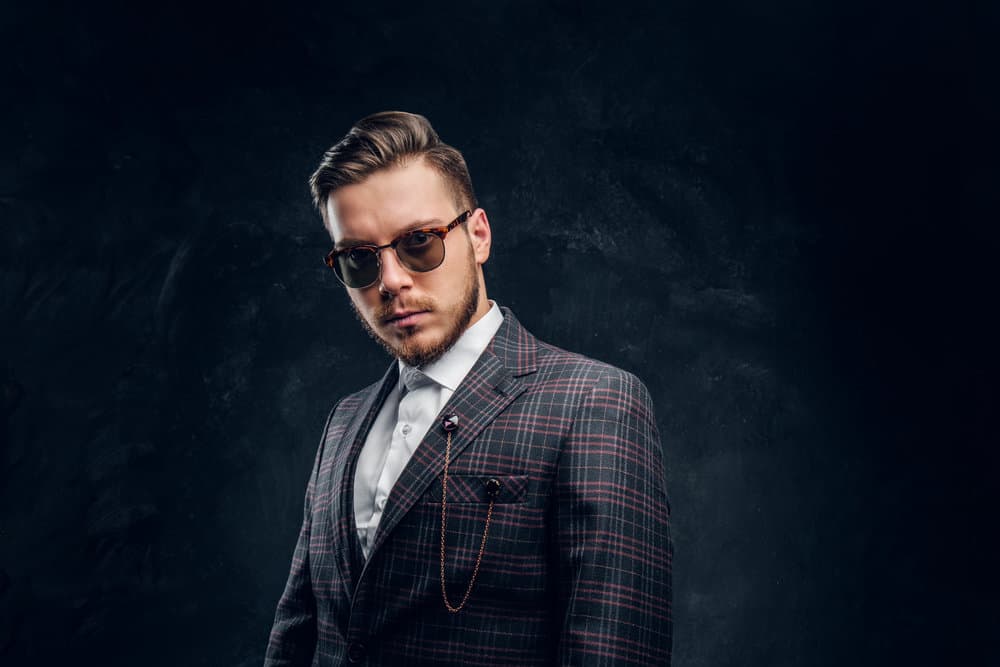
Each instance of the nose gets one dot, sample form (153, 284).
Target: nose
(394, 275)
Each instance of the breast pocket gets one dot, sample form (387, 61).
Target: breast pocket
(509, 565)
(468, 489)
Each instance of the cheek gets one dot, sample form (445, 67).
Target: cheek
(442, 289)
(363, 301)
(454, 269)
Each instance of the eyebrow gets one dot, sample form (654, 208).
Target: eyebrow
(348, 242)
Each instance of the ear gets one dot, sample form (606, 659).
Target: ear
(478, 228)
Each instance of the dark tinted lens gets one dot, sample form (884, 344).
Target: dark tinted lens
(421, 251)
(357, 267)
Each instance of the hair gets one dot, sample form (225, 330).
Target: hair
(389, 139)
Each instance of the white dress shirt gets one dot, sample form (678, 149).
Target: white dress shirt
(405, 418)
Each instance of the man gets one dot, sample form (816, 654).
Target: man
(492, 498)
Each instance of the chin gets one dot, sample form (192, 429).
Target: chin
(416, 346)
(417, 351)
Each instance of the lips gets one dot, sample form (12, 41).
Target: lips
(405, 318)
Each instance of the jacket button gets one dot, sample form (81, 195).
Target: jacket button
(355, 651)
(493, 486)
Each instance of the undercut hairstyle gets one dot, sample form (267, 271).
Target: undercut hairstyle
(384, 140)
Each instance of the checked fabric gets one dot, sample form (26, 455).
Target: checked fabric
(577, 567)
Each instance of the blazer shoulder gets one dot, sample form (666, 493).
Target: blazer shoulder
(555, 361)
(350, 402)
(346, 407)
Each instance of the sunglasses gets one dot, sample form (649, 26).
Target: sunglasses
(419, 250)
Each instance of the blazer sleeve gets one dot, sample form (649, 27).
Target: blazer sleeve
(293, 635)
(612, 535)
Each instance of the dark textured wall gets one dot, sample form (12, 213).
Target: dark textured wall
(777, 214)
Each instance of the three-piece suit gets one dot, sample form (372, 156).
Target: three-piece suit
(576, 564)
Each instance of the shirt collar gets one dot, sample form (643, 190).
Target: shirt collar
(452, 367)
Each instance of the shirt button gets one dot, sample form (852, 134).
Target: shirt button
(356, 652)
(406, 429)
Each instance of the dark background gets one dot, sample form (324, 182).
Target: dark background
(779, 214)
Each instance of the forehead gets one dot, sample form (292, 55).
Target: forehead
(387, 202)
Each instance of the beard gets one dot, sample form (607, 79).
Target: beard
(408, 350)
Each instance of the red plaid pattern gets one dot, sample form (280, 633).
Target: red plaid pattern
(577, 565)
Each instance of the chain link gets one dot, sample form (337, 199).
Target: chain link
(482, 545)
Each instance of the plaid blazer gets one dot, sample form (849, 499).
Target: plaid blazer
(576, 567)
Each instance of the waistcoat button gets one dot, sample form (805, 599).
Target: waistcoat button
(356, 652)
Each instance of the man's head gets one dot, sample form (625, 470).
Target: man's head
(388, 176)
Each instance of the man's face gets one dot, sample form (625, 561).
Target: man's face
(415, 316)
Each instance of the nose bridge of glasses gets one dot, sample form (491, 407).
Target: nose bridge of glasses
(392, 270)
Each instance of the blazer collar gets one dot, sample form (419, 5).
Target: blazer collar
(514, 347)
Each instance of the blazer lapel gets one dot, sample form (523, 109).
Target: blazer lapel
(491, 385)
(349, 558)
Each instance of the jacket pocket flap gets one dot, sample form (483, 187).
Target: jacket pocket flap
(476, 489)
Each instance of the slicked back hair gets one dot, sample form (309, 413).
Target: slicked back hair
(384, 140)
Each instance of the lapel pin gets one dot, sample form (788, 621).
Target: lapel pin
(450, 422)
